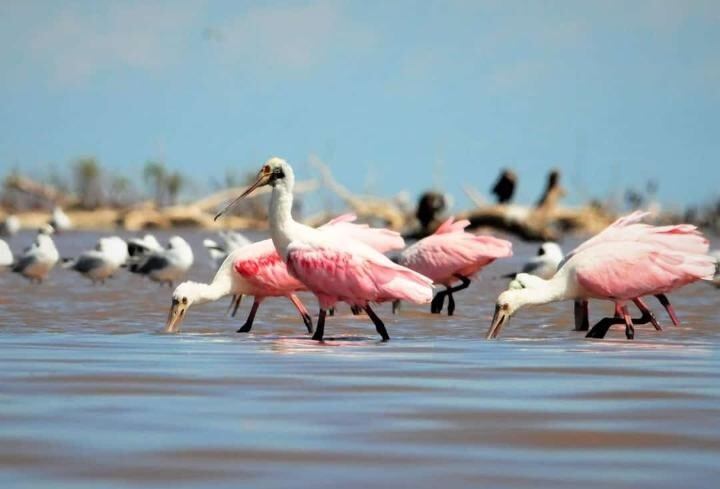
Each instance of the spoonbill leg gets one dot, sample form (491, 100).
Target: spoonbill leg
(668, 307)
(379, 325)
(249, 322)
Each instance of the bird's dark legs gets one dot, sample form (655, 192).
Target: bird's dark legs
(601, 327)
(356, 310)
(303, 312)
(437, 303)
(379, 325)
(248, 324)
(320, 326)
(669, 308)
(582, 319)
(331, 311)
(395, 306)
(234, 305)
(451, 304)
(629, 329)
(464, 284)
(647, 315)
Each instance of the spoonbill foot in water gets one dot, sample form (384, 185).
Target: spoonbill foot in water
(622, 316)
(601, 328)
(379, 325)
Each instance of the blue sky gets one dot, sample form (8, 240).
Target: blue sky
(393, 95)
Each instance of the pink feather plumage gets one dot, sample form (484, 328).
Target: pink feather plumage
(451, 251)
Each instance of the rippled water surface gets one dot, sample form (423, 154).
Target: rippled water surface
(91, 395)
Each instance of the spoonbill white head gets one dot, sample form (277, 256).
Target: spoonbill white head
(183, 297)
(273, 172)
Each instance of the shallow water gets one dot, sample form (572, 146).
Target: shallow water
(92, 396)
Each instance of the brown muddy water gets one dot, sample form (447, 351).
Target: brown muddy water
(91, 395)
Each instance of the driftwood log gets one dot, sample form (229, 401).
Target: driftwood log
(41, 191)
(366, 207)
(533, 224)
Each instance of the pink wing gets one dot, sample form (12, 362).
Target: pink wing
(681, 237)
(452, 226)
(382, 240)
(263, 269)
(442, 256)
(349, 217)
(355, 274)
(638, 269)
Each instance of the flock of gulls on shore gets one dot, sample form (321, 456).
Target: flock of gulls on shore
(343, 261)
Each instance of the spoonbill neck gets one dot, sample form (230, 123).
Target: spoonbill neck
(217, 289)
(544, 291)
(282, 223)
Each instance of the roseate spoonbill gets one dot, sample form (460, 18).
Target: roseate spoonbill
(259, 271)
(39, 258)
(60, 221)
(102, 262)
(167, 265)
(333, 267)
(529, 281)
(383, 240)
(618, 265)
(10, 226)
(629, 229)
(255, 269)
(451, 255)
(545, 263)
(6, 256)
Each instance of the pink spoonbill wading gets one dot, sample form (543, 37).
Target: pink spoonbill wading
(452, 255)
(333, 266)
(255, 269)
(631, 229)
(618, 265)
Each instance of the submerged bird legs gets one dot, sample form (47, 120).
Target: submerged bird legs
(379, 325)
(247, 326)
(600, 329)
